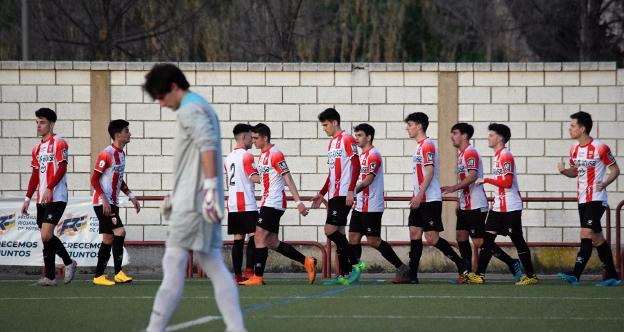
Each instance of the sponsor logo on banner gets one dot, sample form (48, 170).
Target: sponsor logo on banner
(7, 222)
(71, 225)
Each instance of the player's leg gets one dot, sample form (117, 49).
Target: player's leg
(432, 214)
(170, 290)
(289, 251)
(261, 253)
(249, 256)
(237, 255)
(416, 249)
(104, 253)
(355, 233)
(119, 236)
(513, 220)
(46, 230)
(335, 223)
(225, 290)
(594, 212)
(492, 227)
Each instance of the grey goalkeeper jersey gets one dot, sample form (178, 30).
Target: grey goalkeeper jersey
(197, 131)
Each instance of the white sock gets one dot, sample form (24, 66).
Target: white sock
(225, 290)
(168, 295)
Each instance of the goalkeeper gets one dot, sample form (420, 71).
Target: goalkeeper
(196, 206)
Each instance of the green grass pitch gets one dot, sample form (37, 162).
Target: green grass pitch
(291, 305)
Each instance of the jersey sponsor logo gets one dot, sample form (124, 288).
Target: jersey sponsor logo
(72, 225)
(119, 168)
(7, 222)
(283, 166)
(507, 166)
(417, 159)
(45, 158)
(332, 155)
(498, 171)
(471, 162)
(461, 169)
(363, 169)
(263, 169)
(585, 163)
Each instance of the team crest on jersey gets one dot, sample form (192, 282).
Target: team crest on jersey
(471, 162)
(283, 166)
(101, 164)
(507, 167)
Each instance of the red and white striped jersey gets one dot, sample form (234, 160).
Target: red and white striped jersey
(426, 154)
(341, 149)
(472, 197)
(46, 157)
(239, 167)
(271, 167)
(371, 199)
(506, 199)
(591, 161)
(111, 162)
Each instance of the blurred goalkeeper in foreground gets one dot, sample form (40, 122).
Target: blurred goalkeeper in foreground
(195, 209)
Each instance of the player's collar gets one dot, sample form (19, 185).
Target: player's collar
(49, 138)
(367, 150)
(498, 152)
(464, 149)
(116, 148)
(339, 133)
(591, 139)
(268, 148)
(422, 140)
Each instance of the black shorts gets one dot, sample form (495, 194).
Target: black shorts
(472, 221)
(366, 223)
(269, 219)
(108, 223)
(504, 223)
(242, 222)
(428, 216)
(337, 211)
(50, 213)
(590, 214)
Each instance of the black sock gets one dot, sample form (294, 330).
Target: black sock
(60, 250)
(606, 257)
(466, 253)
(388, 253)
(499, 253)
(290, 252)
(249, 253)
(343, 263)
(486, 252)
(357, 250)
(582, 257)
(260, 258)
(345, 254)
(416, 248)
(48, 260)
(103, 257)
(523, 253)
(237, 256)
(118, 242)
(446, 249)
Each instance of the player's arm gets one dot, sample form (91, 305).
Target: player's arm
(467, 181)
(505, 182)
(416, 200)
(102, 163)
(355, 172)
(32, 186)
(608, 159)
(365, 183)
(571, 172)
(295, 194)
(318, 198)
(373, 166)
(61, 158)
(131, 196)
(250, 168)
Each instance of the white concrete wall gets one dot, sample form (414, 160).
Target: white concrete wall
(534, 99)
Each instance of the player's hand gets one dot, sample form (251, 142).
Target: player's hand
(47, 196)
(211, 208)
(324, 201)
(561, 166)
(135, 202)
(600, 185)
(302, 209)
(415, 202)
(479, 181)
(165, 207)
(316, 201)
(106, 208)
(25, 205)
(448, 189)
(349, 201)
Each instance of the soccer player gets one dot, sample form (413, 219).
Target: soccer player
(473, 205)
(589, 160)
(426, 203)
(369, 205)
(195, 209)
(275, 176)
(107, 181)
(49, 174)
(241, 174)
(344, 167)
(505, 218)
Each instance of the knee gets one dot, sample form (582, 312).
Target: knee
(461, 236)
(415, 233)
(107, 239)
(120, 232)
(374, 242)
(46, 237)
(432, 238)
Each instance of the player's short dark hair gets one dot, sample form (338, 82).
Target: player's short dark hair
(464, 128)
(262, 130)
(329, 114)
(117, 126)
(584, 119)
(367, 129)
(420, 118)
(501, 130)
(46, 113)
(159, 79)
(241, 128)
